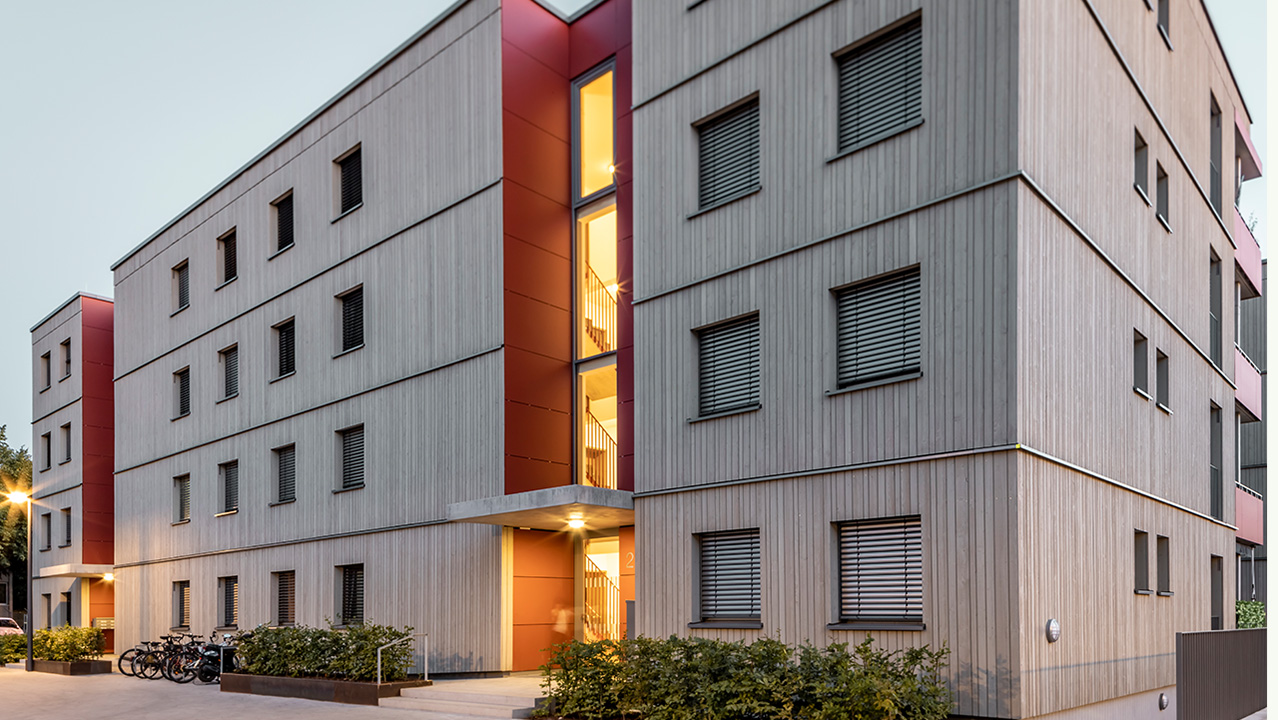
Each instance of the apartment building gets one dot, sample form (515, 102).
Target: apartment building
(924, 337)
(73, 499)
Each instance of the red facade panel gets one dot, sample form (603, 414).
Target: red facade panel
(98, 431)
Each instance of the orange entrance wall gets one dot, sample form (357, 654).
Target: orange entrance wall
(543, 572)
(626, 541)
(102, 604)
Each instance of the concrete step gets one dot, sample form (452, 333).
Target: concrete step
(442, 692)
(461, 708)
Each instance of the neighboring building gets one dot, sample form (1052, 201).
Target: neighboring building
(73, 505)
(900, 351)
(1251, 565)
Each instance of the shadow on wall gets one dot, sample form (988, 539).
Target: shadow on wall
(441, 664)
(984, 692)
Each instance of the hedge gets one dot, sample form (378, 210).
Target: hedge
(1251, 614)
(13, 648)
(346, 654)
(679, 678)
(66, 644)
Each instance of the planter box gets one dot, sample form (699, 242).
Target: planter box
(342, 691)
(82, 667)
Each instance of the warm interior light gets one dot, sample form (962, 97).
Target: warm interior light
(612, 169)
(109, 577)
(595, 134)
(17, 497)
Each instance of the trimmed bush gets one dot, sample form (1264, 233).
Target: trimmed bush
(346, 654)
(66, 644)
(679, 678)
(1251, 614)
(13, 648)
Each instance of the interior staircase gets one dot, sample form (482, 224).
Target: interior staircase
(513, 697)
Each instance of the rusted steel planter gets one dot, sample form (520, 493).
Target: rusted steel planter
(80, 667)
(342, 691)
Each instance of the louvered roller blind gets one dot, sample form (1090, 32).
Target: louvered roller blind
(284, 593)
(352, 594)
(184, 497)
(881, 570)
(730, 574)
(183, 618)
(353, 457)
(729, 366)
(287, 360)
(353, 319)
(66, 526)
(729, 155)
(230, 486)
(286, 468)
(352, 181)
(183, 285)
(230, 601)
(229, 268)
(881, 87)
(879, 328)
(183, 392)
(231, 366)
(284, 223)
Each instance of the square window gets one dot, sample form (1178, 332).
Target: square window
(351, 441)
(881, 570)
(350, 602)
(285, 587)
(66, 358)
(226, 255)
(229, 480)
(730, 575)
(230, 361)
(286, 473)
(1142, 562)
(283, 212)
(285, 360)
(350, 177)
(181, 498)
(352, 318)
(65, 433)
(729, 155)
(182, 392)
(182, 604)
(881, 87)
(228, 602)
(879, 328)
(181, 286)
(728, 373)
(1140, 363)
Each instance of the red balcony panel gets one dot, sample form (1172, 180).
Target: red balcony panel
(1246, 257)
(1247, 380)
(1249, 516)
(1245, 150)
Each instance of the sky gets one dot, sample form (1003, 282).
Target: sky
(120, 115)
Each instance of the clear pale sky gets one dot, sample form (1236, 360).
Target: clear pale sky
(117, 116)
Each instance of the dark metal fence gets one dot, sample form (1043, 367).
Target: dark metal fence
(1220, 674)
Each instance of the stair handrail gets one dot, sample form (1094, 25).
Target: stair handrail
(609, 448)
(406, 638)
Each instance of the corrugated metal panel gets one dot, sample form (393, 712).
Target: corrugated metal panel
(729, 369)
(353, 457)
(730, 155)
(881, 86)
(1220, 675)
(879, 328)
(881, 570)
(730, 574)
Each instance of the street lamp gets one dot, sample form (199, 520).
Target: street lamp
(20, 498)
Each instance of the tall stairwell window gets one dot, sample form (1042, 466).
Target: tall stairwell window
(593, 132)
(1217, 463)
(1215, 156)
(1215, 309)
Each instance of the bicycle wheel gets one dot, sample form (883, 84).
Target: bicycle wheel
(182, 666)
(147, 665)
(125, 661)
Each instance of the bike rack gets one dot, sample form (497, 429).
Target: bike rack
(425, 654)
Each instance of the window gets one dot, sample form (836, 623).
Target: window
(730, 576)
(598, 284)
(226, 257)
(879, 328)
(66, 358)
(46, 370)
(1217, 464)
(228, 601)
(350, 181)
(65, 608)
(1162, 197)
(182, 604)
(182, 286)
(1164, 566)
(1162, 392)
(229, 479)
(48, 610)
(283, 211)
(1140, 363)
(593, 132)
(881, 87)
(729, 148)
(182, 394)
(46, 451)
(1142, 562)
(352, 319)
(1164, 21)
(285, 597)
(350, 594)
(352, 448)
(729, 366)
(285, 473)
(881, 571)
(285, 361)
(181, 498)
(65, 437)
(1215, 310)
(66, 527)
(230, 360)
(46, 530)
(1142, 167)
(1215, 156)
(1217, 592)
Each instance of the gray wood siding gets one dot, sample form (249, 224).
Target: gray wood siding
(970, 600)
(1074, 372)
(967, 135)
(1076, 565)
(48, 337)
(443, 580)
(964, 399)
(53, 502)
(429, 128)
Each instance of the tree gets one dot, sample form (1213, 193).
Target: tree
(15, 474)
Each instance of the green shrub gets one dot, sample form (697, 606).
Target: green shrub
(67, 644)
(1251, 613)
(678, 678)
(346, 654)
(13, 648)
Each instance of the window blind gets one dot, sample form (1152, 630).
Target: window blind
(730, 575)
(184, 392)
(287, 358)
(881, 570)
(184, 285)
(352, 180)
(881, 87)
(729, 366)
(729, 149)
(286, 464)
(352, 594)
(230, 486)
(184, 497)
(284, 223)
(284, 593)
(230, 601)
(231, 364)
(229, 267)
(353, 457)
(353, 319)
(879, 328)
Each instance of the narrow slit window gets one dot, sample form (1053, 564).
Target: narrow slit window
(182, 391)
(231, 372)
(1162, 370)
(1140, 363)
(283, 209)
(352, 449)
(284, 343)
(46, 530)
(46, 370)
(1142, 166)
(66, 527)
(352, 595)
(1164, 565)
(594, 136)
(182, 286)
(226, 248)
(1141, 555)
(351, 181)
(1163, 197)
(230, 476)
(352, 319)
(46, 451)
(285, 598)
(182, 604)
(181, 498)
(286, 473)
(229, 601)
(66, 358)
(66, 442)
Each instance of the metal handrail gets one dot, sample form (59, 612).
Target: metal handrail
(1249, 491)
(603, 441)
(406, 638)
(598, 297)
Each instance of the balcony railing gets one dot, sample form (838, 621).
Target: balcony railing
(599, 466)
(603, 604)
(599, 313)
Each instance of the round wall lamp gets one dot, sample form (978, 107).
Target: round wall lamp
(1163, 702)
(1053, 630)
